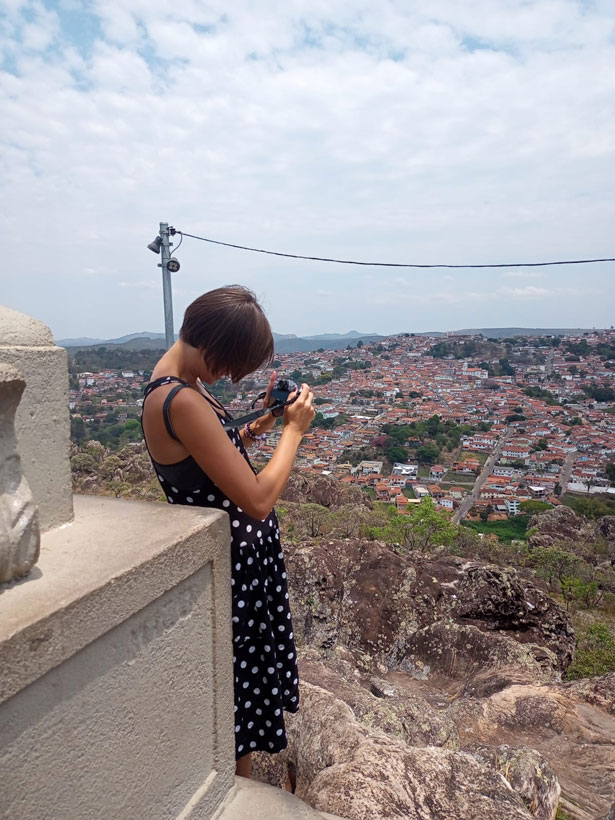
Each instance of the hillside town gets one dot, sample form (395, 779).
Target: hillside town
(479, 425)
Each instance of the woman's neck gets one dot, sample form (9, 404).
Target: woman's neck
(184, 362)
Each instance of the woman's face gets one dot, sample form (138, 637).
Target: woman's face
(209, 375)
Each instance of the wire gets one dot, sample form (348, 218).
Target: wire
(392, 264)
(180, 241)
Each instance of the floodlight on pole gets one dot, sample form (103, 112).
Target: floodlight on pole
(161, 244)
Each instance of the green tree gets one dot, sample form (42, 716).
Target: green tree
(428, 453)
(428, 526)
(78, 432)
(554, 564)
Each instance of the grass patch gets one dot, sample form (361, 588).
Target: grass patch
(513, 529)
(468, 455)
(408, 492)
(459, 478)
(595, 652)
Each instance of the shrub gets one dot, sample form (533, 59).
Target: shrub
(595, 654)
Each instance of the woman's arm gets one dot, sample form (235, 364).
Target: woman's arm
(198, 428)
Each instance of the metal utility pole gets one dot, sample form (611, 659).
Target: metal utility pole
(165, 255)
(169, 265)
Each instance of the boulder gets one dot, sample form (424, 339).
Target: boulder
(395, 711)
(366, 596)
(351, 592)
(498, 598)
(606, 527)
(576, 738)
(323, 490)
(528, 773)
(599, 691)
(362, 774)
(481, 663)
(559, 524)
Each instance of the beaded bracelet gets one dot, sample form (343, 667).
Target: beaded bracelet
(252, 435)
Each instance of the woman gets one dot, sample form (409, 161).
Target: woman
(226, 334)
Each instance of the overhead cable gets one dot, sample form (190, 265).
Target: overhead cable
(390, 264)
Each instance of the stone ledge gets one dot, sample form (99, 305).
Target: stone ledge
(259, 801)
(113, 559)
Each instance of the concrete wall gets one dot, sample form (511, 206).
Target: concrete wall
(116, 695)
(42, 420)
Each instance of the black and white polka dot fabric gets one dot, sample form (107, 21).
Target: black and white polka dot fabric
(264, 655)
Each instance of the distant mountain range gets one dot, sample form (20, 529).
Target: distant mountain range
(503, 332)
(290, 343)
(284, 342)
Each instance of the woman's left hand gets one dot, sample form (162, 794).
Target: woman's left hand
(265, 423)
(269, 388)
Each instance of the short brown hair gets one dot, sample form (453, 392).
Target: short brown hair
(229, 326)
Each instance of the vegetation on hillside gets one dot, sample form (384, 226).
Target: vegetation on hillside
(580, 574)
(95, 359)
(420, 441)
(590, 506)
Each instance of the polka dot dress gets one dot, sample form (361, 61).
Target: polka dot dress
(264, 654)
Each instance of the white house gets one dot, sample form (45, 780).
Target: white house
(411, 471)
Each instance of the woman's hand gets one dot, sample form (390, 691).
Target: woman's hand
(265, 423)
(300, 414)
(269, 388)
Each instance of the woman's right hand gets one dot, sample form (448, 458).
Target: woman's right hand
(300, 414)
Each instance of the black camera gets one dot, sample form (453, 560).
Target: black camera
(278, 398)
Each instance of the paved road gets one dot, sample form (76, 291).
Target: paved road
(468, 502)
(564, 476)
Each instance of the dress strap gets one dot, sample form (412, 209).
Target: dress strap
(214, 401)
(167, 406)
(159, 382)
(171, 395)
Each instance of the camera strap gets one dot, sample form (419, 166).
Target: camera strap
(230, 425)
(256, 414)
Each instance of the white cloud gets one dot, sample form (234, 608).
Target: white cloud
(451, 132)
(524, 274)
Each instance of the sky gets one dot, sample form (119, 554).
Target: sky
(453, 131)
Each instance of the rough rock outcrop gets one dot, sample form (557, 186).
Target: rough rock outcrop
(351, 592)
(563, 524)
(528, 773)
(599, 691)
(369, 598)
(444, 656)
(606, 527)
(393, 710)
(576, 738)
(361, 774)
(495, 598)
(560, 523)
(482, 663)
(323, 490)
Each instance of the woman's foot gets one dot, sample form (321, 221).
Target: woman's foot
(243, 766)
(291, 778)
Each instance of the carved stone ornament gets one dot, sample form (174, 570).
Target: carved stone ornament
(19, 528)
